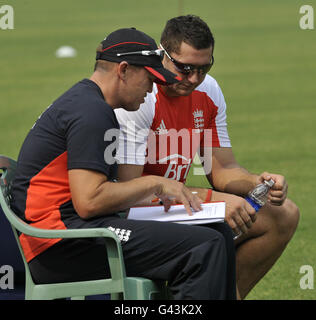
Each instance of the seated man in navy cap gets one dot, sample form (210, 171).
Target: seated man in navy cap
(66, 180)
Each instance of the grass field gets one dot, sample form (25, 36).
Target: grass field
(265, 65)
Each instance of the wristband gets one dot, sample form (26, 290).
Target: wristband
(209, 195)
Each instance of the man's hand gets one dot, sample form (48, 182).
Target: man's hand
(173, 191)
(278, 193)
(240, 215)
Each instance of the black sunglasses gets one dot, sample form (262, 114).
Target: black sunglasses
(188, 68)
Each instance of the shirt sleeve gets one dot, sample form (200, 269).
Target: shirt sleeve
(134, 130)
(213, 90)
(92, 139)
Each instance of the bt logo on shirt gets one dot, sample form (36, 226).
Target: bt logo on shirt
(177, 171)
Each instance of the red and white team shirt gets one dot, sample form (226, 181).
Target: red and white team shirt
(166, 132)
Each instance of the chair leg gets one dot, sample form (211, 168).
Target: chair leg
(144, 289)
(116, 296)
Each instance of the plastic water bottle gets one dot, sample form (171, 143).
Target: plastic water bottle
(258, 197)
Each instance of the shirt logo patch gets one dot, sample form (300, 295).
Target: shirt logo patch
(161, 128)
(198, 119)
(122, 234)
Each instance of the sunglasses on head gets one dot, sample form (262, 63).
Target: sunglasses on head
(189, 68)
(158, 52)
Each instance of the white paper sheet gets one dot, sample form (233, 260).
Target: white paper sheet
(212, 212)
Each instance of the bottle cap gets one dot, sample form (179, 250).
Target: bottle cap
(270, 182)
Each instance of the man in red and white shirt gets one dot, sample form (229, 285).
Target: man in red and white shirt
(178, 126)
(177, 121)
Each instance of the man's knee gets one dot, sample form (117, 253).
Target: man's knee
(277, 221)
(288, 220)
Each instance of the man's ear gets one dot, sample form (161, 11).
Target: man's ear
(122, 70)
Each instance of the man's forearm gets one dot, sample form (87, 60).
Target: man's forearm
(93, 195)
(122, 195)
(234, 180)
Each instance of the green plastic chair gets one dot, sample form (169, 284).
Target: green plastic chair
(119, 285)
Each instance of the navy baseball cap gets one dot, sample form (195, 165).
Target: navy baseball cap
(136, 48)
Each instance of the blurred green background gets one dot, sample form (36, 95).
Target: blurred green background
(265, 65)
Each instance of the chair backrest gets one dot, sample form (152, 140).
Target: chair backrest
(10, 253)
(9, 168)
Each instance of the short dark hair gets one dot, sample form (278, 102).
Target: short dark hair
(190, 29)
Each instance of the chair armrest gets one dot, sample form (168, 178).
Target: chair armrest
(112, 243)
(69, 233)
(25, 228)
